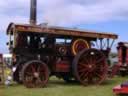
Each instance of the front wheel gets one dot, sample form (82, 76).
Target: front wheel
(35, 74)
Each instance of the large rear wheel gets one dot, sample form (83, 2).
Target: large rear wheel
(89, 67)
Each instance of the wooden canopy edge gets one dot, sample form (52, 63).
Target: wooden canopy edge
(59, 31)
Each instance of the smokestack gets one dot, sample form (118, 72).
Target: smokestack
(33, 12)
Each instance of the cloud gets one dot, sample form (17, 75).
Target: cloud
(72, 12)
(68, 12)
(62, 12)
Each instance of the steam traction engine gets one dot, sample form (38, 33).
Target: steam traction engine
(122, 68)
(38, 54)
(122, 65)
(40, 51)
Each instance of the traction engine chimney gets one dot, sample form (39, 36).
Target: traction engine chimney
(33, 12)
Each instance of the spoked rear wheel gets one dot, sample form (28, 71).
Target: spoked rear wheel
(90, 67)
(35, 74)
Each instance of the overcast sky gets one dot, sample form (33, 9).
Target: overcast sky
(98, 15)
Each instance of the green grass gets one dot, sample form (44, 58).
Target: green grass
(60, 88)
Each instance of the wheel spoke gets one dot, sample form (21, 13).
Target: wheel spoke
(29, 80)
(82, 74)
(29, 73)
(98, 75)
(38, 82)
(85, 75)
(90, 78)
(33, 69)
(83, 70)
(82, 65)
(38, 68)
(100, 60)
(94, 59)
(91, 61)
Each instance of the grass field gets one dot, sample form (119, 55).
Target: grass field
(60, 88)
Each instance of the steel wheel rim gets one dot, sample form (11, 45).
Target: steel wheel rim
(35, 75)
(91, 70)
